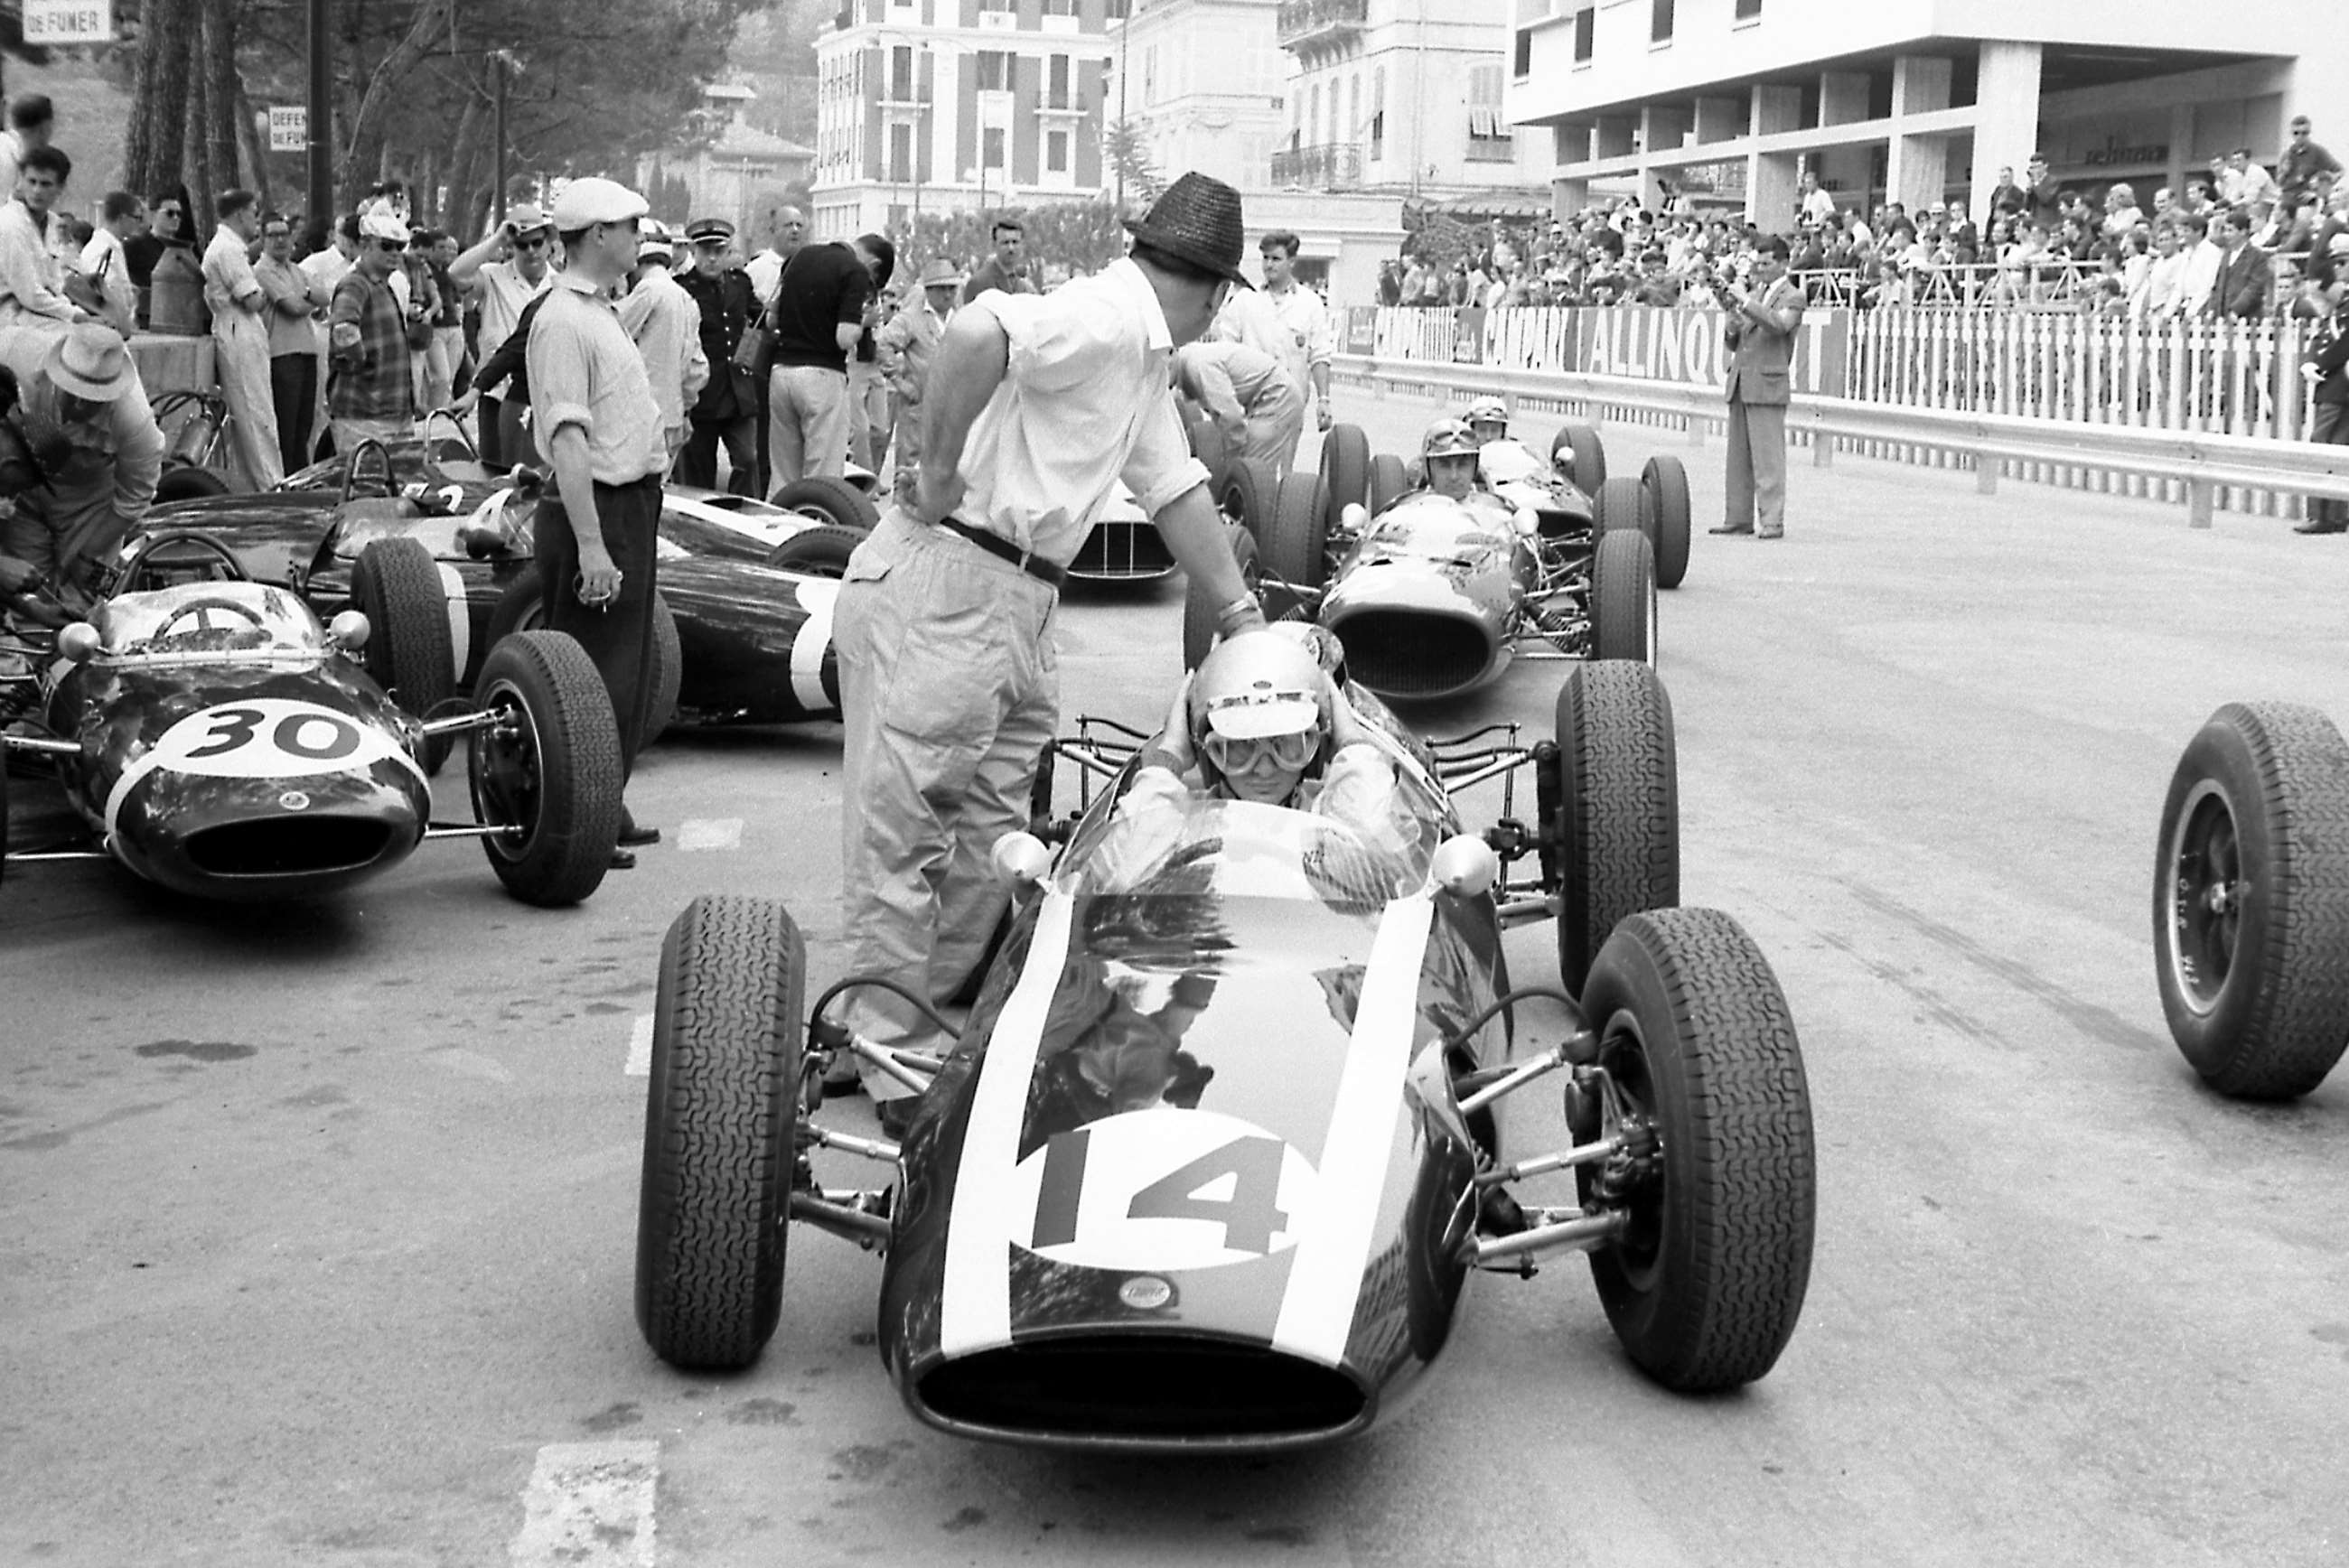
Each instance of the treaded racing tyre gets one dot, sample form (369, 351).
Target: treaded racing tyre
(1207, 443)
(1585, 456)
(832, 499)
(1620, 506)
(188, 481)
(1389, 480)
(553, 772)
(1623, 598)
(522, 608)
(1666, 482)
(1247, 493)
(1346, 467)
(821, 552)
(1199, 616)
(410, 652)
(2251, 900)
(1618, 825)
(1293, 553)
(1704, 1286)
(720, 1113)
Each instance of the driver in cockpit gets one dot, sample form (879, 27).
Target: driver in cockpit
(1489, 419)
(1448, 452)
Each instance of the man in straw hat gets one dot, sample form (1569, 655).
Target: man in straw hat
(1038, 407)
(85, 417)
(907, 344)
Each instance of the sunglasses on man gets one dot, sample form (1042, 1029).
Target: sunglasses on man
(537, 242)
(389, 247)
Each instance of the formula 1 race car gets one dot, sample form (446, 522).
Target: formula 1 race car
(216, 738)
(1216, 1151)
(1432, 595)
(2250, 901)
(744, 630)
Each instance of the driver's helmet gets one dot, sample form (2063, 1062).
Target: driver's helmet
(1448, 452)
(1259, 696)
(1448, 437)
(1488, 418)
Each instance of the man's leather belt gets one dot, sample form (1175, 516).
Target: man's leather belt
(1002, 549)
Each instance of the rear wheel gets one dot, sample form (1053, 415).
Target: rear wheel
(820, 552)
(1718, 1185)
(669, 671)
(1199, 616)
(1207, 444)
(409, 651)
(1620, 507)
(1248, 493)
(1346, 467)
(720, 1110)
(1618, 826)
(1578, 447)
(1622, 599)
(1293, 553)
(828, 500)
(1389, 480)
(549, 769)
(1667, 486)
(2250, 901)
(186, 481)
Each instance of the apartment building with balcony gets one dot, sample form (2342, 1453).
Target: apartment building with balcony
(938, 105)
(1405, 96)
(1913, 100)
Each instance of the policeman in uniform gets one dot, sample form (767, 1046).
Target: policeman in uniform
(727, 409)
(1038, 406)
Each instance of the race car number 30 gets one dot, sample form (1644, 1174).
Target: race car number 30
(1161, 1190)
(270, 737)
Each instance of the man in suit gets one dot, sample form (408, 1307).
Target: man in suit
(2247, 275)
(1761, 339)
(2327, 365)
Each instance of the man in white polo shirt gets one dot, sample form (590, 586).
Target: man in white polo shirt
(507, 270)
(592, 412)
(1038, 406)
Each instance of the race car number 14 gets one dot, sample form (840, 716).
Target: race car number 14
(1161, 1189)
(270, 737)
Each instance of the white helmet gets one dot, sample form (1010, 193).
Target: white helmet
(1488, 411)
(1259, 688)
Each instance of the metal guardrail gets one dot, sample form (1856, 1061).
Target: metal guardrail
(2202, 463)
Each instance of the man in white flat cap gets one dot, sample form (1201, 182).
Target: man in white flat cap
(369, 392)
(667, 325)
(595, 417)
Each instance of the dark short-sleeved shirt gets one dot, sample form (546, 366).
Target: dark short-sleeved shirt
(823, 288)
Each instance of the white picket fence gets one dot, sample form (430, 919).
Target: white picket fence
(2203, 376)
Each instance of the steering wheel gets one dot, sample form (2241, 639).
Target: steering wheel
(199, 607)
(232, 570)
(351, 466)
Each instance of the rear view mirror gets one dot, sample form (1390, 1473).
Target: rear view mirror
(79, 643)
(349, 631)
(1465, 866)
(1022, 858)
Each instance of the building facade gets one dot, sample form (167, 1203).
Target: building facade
(939, 104)
(1202, 84)
(741, 169)
(1401, 96)
(1918, 101)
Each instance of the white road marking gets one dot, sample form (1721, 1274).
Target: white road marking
(640, 1047)
(588, 1505)
(1317, 1313)
(710, 833)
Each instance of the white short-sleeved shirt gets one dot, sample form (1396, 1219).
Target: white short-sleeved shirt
(227, 279)
(504, 291)
(1306, 333)
(1085, 402)
(584, 370)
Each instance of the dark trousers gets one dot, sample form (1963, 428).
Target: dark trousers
(491, 442)
(619, 635)
(294, 393)
(2332, 429)
(516, 447)
(698, 463)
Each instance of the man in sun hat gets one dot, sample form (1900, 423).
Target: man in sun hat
(505, 272)
(83, 416)
(1039, 407)
(906, 342)
(370, 392)
(593, 414)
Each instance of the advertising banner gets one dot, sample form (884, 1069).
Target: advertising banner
(1650, 342)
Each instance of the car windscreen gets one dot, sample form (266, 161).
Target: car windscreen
(210, 618)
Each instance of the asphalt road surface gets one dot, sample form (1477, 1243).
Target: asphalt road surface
(316, 1227)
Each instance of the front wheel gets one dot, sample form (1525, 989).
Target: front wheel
(1667, 486)
(720, 1110)
(1617, 824)
(820, 552)
(1623, 598)
(1346, 467)
(1294, 550)
(411, 647)
(1717, 1184)
(2250, 901)
(548, 770)
(828, 500)
(1199, 616)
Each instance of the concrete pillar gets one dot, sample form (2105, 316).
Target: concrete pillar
(1776, 108)
(2181, 145)
(2006, 118)
(1720, 118)
(1770, 182)
(1920, 83)
(1843, 97)
(1568, 198)
(1920, 170)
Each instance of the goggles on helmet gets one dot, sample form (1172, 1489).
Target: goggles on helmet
(1231, 755)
